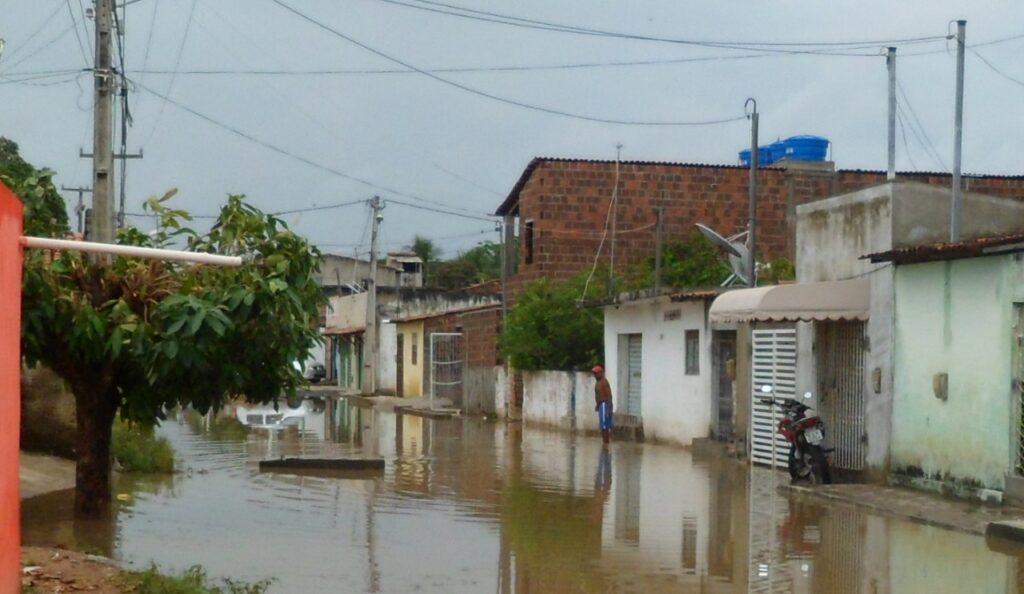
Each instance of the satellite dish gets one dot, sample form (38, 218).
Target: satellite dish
(720, 242)
(735, 251)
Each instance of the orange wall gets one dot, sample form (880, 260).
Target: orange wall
(10, 389)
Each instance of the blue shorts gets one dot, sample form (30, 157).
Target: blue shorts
(604, 416)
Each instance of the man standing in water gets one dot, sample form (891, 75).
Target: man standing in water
(603, 399)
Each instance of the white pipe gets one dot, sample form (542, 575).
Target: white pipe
(129, 250)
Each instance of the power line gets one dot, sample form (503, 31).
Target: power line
(318, 208)
(487, 95)
(47, 45)
(177, 64)
(927, 141)
(995, 69)
(450, 70)
(289, 154)
(88, 40)
(37, 31)
(903, 132)
(438, 210)
(902, 115)
(773, 46)
(78, 35)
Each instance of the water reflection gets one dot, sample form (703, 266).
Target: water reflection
(471, 506)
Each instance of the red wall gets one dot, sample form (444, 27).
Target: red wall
(10, 388)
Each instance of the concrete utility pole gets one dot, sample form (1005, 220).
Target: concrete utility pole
(103, 156)
(370, 337)
(752, 225)
(890, 62)
(659, 226)
(80, 207)
(958, 130)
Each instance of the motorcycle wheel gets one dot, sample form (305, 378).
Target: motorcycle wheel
(794, 465)
(820, 472)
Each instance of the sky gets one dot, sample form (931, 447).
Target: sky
(438, 105)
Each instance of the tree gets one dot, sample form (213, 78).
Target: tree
(134, 338)
(455, 274)
(45, 212)
(428, 252)
(552, 327)
(684, 264)
(485, 259)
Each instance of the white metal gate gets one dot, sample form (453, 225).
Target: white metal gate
(635, 376)
(446, 366)
(840, 351)
(773, 364)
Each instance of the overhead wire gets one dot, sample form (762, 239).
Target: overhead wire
(480, 93)
(996, 69)
(14, 51)
(291, 155)
(903, 132)
(177, 64)
(925, 140)
(149, 47)
(438, 210)
(46, 46)
(78, 35)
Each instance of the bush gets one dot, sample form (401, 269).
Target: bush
(138, 449)
(193, 581)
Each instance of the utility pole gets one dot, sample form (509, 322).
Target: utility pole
(102, 160)
(370, 337)
(80, 207)
(122, 156)
(752, 224)
(958, 130)
(615, 221)
(890, 62)
(659, 226)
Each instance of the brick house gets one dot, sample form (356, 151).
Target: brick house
(562, 204)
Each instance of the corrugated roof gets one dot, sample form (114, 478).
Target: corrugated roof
(696, 294)
(441, 314)
(508, 205)
(971, 248)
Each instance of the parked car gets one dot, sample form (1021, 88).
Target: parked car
(313, 371)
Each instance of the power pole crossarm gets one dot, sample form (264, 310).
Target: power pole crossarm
(370, 336)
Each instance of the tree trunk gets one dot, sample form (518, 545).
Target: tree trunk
(95, 411)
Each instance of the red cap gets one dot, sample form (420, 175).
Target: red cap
(597, 369)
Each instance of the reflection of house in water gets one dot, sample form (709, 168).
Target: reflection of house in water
(307, 416)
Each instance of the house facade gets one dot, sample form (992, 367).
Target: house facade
(959, 366)
(659, 360)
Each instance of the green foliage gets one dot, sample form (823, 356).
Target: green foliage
(685, 264)
(220, 428)
(138, 449)
(476, 265)
(193, 581)
(429, 252)
(550, 328)
(776, 271)
(45, 213)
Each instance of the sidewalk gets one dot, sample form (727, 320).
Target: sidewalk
(915, 506)
(41, 474)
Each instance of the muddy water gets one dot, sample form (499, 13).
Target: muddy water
(470, 506)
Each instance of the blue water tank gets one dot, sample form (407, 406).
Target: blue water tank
(764, 156)
(806, 148)
(776, 151)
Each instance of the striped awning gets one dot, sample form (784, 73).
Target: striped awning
(804, 302)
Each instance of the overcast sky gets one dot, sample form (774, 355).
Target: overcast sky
(416, 139)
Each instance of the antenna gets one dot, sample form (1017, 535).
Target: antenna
(735, 251)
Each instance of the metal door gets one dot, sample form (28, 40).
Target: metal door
(400, 365)
(446, 366)
(773, 364)
(724, 356)
(634, 378)
(840, 354)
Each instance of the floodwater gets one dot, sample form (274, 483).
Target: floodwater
(472, 506)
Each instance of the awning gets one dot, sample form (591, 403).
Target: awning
(805, 302)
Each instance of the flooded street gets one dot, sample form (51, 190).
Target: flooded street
(471, 506)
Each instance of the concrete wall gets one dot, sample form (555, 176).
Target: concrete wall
(559, 399)
(338, 270)
(955, 318)
(675, 407)
(921, 215)
(478, 390)
(387, 362)
(412, 373)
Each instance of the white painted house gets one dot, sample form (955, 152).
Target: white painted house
(658, 359)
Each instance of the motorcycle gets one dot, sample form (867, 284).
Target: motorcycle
(805, 431)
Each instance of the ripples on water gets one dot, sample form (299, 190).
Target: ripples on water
(470, 506)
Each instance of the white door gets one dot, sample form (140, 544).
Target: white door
(633, 379)
(773, 364)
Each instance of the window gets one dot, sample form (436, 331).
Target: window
(415, 347)
(692, 352)
(528, 241)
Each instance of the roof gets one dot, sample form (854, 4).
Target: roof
(508, 205)
(804, 302)
(696, 294)
(441, 314)
(971, 248)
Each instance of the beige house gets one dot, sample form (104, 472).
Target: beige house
(410, 354)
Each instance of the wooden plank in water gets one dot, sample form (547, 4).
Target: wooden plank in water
(286, 464)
